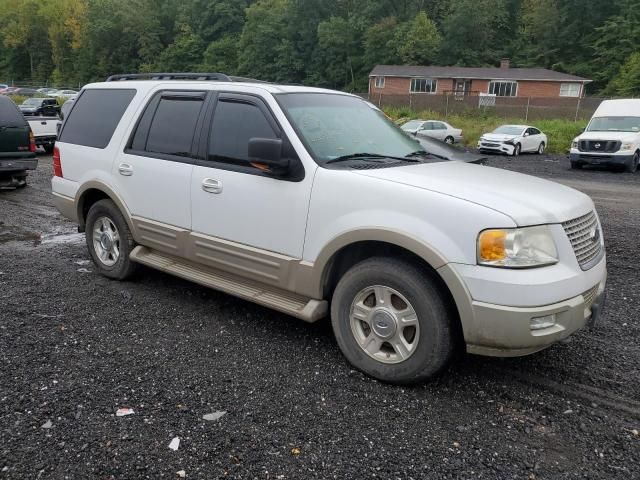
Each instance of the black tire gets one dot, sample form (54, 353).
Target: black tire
(123, 267)
(48, 148)
(449, 140)
(22, 180)
(576, 166)
(517, 150)
(541, 148)
(632, 167)
(436, 340)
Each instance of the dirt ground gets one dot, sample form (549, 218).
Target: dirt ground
(75, 347)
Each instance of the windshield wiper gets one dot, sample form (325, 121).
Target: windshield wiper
(367, 156)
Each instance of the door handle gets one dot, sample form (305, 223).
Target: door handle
(212, 186)
(125, 169)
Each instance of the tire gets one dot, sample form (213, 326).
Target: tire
(431, 331)
(449, 140)
(48, 149)
(105, 217)
(517, 150)
(541, 148)
(576, 166)
(632, 167)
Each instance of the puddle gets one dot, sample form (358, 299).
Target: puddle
(74, 238)
(9, 233)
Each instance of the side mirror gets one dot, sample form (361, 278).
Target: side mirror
(266, 155)
(526, 134)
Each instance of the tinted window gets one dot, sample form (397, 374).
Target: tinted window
(10, 116)
(234, 124)
(173, 126)
(95, 117)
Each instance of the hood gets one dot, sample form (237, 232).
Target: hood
(621, 136)
(527, 200)
(497, 137)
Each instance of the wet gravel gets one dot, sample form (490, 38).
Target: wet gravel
(75, 347)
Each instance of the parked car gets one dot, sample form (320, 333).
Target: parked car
(37, 106)
(45, 131)
(3, 86)
(65, 93)
(66, 108)
(46, 90)
(435, 129)
(17, 146)
(25, 92)
(8, 90)
(310, 202)
(513, 140)
(612, 137)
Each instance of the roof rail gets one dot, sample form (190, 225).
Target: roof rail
(219, 77)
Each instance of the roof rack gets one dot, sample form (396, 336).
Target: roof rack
(219, 77)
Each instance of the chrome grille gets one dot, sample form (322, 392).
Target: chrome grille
(589, 296)
(585, 237)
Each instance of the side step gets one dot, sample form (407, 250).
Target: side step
(306, 309)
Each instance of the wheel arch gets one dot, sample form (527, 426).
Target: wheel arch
(352, 247)
(92, 192)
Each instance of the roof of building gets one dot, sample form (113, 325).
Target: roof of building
(483, 73)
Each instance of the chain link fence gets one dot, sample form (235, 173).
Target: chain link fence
(529, 108)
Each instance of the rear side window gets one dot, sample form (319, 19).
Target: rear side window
(10, 115)
(234, 124)
(95, 116)
(173, 126)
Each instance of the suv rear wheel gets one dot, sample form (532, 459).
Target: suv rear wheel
(109, 240)
(391, 322)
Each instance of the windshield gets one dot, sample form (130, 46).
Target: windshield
(508, 130)
(412, 125)
(333, 125)
(32, 102)
(614, 124)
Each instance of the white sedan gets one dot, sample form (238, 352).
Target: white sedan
(435, 129)
(513, 140)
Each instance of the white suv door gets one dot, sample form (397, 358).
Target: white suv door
(237, 207)
(153, 173)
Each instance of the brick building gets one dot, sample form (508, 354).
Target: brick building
(501, 82)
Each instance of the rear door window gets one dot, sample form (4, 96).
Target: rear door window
(168, 125)
(95, 116)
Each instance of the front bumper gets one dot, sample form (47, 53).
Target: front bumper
(605, 159)
(496, 147)
(506, 332)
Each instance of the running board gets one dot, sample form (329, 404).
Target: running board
(306, 309)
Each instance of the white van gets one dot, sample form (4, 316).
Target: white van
(612, 137)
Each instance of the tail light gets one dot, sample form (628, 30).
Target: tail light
(57, 164)
(32, 142)
(461, 133)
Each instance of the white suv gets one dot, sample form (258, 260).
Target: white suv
(310, 202)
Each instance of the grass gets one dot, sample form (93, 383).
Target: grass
(560, 132)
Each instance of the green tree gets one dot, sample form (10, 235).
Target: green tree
(418, 41)
(627, 82)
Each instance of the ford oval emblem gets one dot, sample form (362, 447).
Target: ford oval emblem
(598, 145)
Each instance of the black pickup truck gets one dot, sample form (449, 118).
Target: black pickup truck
(17, 146)
(45, 107)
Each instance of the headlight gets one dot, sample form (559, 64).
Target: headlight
(574, 144)
(508, 142)
(517, 247)
(627, 146)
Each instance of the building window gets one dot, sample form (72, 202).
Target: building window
(379, 82)
(570, 90)
(423, 85)
(503, 89)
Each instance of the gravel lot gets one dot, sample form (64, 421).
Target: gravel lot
(75, 347)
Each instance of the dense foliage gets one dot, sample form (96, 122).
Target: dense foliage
(332, 43)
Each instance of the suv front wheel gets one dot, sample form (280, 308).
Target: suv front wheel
(391, 322)
(109, 240)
